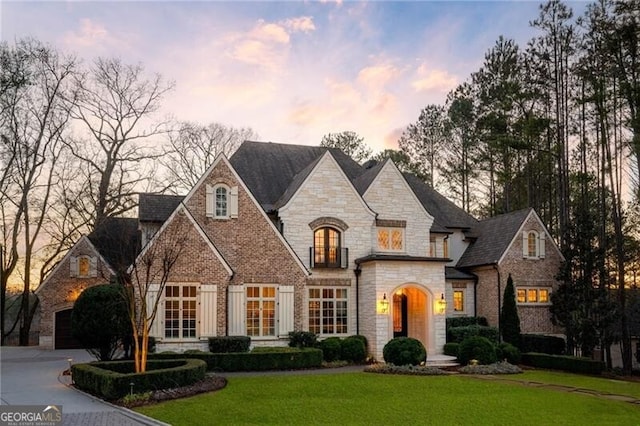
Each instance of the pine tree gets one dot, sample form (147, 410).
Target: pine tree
(509, 320)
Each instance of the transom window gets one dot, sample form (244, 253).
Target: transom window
(328, 310)
(221, 201)
(458, 300)
(326, 248)
(391, 239)
(528, 295)
(180, 311)
(261, 311)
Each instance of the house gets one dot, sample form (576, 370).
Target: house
(93, 260)
(290, 237)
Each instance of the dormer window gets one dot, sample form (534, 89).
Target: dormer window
(533, 245)
(222, 201)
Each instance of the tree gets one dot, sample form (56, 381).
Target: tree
(348, 142)
(115, 108)
(422, 140)
(144, 286)
(402, 161)
(193, 148)
(509, 319)
(99, 320)
(35, 81)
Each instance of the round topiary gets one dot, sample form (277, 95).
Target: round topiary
(352, 349)
(331, 348)
(478, 348)
(404, 351)
(509, 352)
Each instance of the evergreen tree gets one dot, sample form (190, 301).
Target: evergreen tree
(509, 319)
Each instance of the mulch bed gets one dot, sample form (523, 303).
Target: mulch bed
(210, 383)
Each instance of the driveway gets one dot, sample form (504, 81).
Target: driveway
(33, 376)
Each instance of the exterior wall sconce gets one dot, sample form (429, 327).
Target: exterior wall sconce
(383, 305)
(442, 304)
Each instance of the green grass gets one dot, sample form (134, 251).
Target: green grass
(602, 385)
(372, 399)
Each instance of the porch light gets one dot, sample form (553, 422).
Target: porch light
(383, 305)
(442, 304)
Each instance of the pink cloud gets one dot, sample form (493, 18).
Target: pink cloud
(433, 80)
(89, 34)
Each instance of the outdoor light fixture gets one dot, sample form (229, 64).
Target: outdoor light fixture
(383, 305)
(70, 360)
(442, 304)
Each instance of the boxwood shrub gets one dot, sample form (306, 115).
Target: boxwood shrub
(539, 343)
(228, 344)
(112, 379)
(478, 348)
(404, 351)
(331, 348)
(571, 364)
(506, 351)
(302, 339)
(458, 334)
(451, 349)
(353, 349)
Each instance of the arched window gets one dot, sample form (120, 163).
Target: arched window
(222, 195)
(84, 266)
(532, 244)
(326, 248)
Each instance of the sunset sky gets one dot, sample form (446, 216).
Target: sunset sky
(292, 71)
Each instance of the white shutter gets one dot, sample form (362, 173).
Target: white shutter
(208, 311)
(209, 201)
(233, 202)
(73, 266)
(541, 242)
(157, 327)
(236, 315)
(285, 310)
(93, 266)
(525, 244)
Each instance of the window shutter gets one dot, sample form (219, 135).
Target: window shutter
(233, 202)
(285, 310)
(157, 326)
(312, 257)
(93, 266)
(236, 315)
(210, 201)
(208, 310)
(73, 266)
(541, 241)
(525, 244)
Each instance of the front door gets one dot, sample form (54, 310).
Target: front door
(400, 315)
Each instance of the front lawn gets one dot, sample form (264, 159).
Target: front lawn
(368, 399)
(600, 384)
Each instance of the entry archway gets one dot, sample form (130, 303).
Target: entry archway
(410, 314)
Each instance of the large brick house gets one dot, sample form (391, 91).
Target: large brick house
(290, 237)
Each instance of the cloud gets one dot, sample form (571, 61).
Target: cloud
(433, 80)
(376, 77)
(89, 34)
(391, 138)
(303, 23)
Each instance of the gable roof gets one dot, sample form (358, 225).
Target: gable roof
(157, 207)
(495, 235)
(117, 239)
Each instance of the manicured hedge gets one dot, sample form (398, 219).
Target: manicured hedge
(479, 348)
(571, 364)
(539, 343)
(404, 351)
(465, 321)
(451, 349)
(458, 334)
(229, 344)
(282, 359)
(112, 379)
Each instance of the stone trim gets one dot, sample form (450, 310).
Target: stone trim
(327, 282)
(390, 223)
(458, 285)
(328, 221)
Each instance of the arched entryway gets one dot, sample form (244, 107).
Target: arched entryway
(410, 314)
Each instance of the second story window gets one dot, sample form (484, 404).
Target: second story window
(326, 248)
(221, 201)
(391, 239)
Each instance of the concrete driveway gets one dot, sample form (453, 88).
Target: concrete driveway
(33, 376)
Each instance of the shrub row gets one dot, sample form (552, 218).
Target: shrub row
(229, 344)
(465, 321)
(572, 364)
(482, 350)
(551, 345)
(258, 360)
(458, 334)
(351, 349)
(112, 379)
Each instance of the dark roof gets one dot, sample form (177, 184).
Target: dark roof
(117, 239)
(269, 169)
(494, 236)
(157, 207)
(451, 273)
(398, 257)
(363, 181)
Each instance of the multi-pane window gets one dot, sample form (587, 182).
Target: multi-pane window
(326, 248)
(458, 300)
(261, 311)
(221, 201)
(84, 266)
(328, 310)
(180, 306)
(532, 295)
(391, 239)
(532, 249)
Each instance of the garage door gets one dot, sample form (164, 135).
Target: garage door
(64, 340)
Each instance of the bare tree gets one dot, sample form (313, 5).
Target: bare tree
(193, 147)
(350, 143)
(115, 108)
(32, 121)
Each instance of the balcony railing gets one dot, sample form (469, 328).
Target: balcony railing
(331, 257)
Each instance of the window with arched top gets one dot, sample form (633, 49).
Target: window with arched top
(221, 201)
(84, 267)
(533, 244)
(326, 248)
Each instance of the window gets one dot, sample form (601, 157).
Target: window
(532, 249)
(533, 245)
(328, 310)
(532, 295)
(458, 300)
(180, 311)
(221, 201)
(326, 248)
(84, 267)
(261, 311)
(433, 247)
(391, 239)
